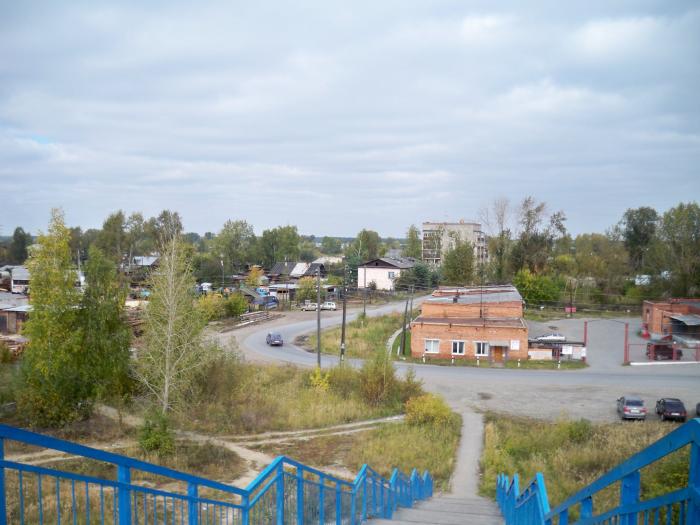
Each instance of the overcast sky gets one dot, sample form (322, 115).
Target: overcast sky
(336, 116)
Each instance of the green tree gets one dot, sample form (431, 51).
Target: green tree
(638, 232)
(161, 229)
(535, 289)
(105, 335)
(172, 349)
(367, 245)
(331, 246)
(279, 244)
(306, 290)
(414, 246)
(680, 232)
(458, 264)
(112, 239)
(18, 246)
(235, 242)
(57, 386)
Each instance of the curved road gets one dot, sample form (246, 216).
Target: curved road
(588, 393)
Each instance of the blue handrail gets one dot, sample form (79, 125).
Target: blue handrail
(531, 506)
(286, 491)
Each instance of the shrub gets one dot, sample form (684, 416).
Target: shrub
(344, 380)
(212, 306)
(378, 379)
(6, 355)
(156, 436)
(319, 380)
(236, 305)
(428, 409)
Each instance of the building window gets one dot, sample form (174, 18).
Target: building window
(457, 347)
(432, 346)
(481, 349)
(392, 275)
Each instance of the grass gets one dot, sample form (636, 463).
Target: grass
(397, 344)
(485, 363)
(363, 336)
(533, 364)
(9, 373)
(555, 314)
(572, 454)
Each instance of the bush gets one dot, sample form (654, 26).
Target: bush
(156, 436)
(6, 355)
(427, 409)
(344, 380)
(236, 305)
(212, 306)
(319, 380)
(378, 379)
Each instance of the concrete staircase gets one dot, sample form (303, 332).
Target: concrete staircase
(448, 510)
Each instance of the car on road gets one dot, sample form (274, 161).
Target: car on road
(671, 408)
(274, 339)
(329, 305)
(631, 407)
(309, 307)
(663, 350)
(551, 338)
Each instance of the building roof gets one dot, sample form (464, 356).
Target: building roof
(282, 268)
(20, 273)
(490, 322)
(145, 260)
(389, 262)
(474, 295)
(22, 308)
(688, 320)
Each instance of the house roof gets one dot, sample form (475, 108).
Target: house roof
(490, 322)
(22, 308)
(299, 269)
(282, 268)
(388, 262)
(20, 272)
(688, 320)
(486, 294)
(145, 260)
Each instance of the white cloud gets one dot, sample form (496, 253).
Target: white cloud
(617, 39)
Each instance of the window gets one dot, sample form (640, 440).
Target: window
(432, 346)
(458, 347)
(392, 275)
(481, 348)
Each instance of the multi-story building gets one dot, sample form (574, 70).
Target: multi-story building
(440, 237)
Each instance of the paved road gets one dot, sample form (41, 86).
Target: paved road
(588, 393)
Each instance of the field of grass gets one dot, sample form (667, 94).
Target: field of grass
(484, 363)
(363, 336)
(572, 454)
(554, 314)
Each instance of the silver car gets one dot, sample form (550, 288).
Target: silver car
(631, 407)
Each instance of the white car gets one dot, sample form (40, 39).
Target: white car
(328, 305)
(552, 338)
(309, 307)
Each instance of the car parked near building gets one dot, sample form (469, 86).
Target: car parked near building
(309, 307)
(551, 338)
(329, 305)
(274, 339)
(670, 408)
(663, 351)
(631, 407)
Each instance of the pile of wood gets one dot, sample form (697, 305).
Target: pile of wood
(15, 343)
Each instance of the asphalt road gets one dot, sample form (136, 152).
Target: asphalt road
(589, 393)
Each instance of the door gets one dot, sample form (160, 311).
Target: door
(498, 353)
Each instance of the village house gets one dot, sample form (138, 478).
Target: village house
(471, 323)
(293, 271)
(13, 317)
(383, 272)
(678, 318)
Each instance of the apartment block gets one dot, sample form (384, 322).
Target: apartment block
(440, 237)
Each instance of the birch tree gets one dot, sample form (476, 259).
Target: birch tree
(173, 349)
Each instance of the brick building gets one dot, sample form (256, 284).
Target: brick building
(470, 323)
(679, 318)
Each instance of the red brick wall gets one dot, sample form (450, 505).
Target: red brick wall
(447, 334)
(509, 309)
(656, 314)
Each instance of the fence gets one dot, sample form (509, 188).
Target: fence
(531, 506)
(286, 492)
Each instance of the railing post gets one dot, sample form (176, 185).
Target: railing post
(300, 496)
(279, 483)
(245, 511)
(124, 494)
(381, 496)
(3, 502)
(564, 517)
(321, 500)
(629, 494)
(587, 507)
(364, 497)
(353, 505)
(694, 484)
(338, 504)
(192, 505)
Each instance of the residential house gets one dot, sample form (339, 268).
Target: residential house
(383, 272)
(293, 271)
(471, 323)
(440, 237)
(13, 317)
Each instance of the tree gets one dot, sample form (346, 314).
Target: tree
(112, 239)
(18, 246)
(105, 335)
(638, 231)
(535, 289)
(306, 290)
(57, 386)
(254, 275)
(497, 220)
(458, 264)
(414, 245)
(279, 244)
(367, 245)
(172, 350)
(331, 246)
(680, 231)
(535, 243)
(161, 229)
(235, 243)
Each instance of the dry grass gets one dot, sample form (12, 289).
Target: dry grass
(572, 454)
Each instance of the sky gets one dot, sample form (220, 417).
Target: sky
(338, 116)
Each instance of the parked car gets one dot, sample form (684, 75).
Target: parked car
(662, 350)
(631, 407)
(551, 338)
(328, 305)
(309, 307)
(697, 410)
(671, 408)
(274, 339)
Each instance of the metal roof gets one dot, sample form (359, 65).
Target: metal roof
(23, 308)
(491, 322)
(474, 297)
(20, 273)
(401, 264)
(688, 320)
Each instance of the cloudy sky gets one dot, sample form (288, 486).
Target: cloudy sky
(336, 116)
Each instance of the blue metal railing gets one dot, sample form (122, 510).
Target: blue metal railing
(286, 492)
(531, 506)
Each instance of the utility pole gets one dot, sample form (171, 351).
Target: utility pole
(364, 294)
(403, 329)
(318, 317)
(410, 308)
(342, 330)
(222, 276)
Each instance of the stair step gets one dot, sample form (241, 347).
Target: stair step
(444, 518)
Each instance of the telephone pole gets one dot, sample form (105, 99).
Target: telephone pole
(318, 317)
(342, 330)
(364, 293)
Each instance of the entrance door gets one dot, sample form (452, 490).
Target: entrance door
(498, 353)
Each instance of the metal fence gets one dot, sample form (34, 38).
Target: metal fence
(286, 492)
(682, 506)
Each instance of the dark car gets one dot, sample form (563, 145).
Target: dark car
(697, 410)
(631, 407)
(671, 408)
(274, 339)
(658, 351)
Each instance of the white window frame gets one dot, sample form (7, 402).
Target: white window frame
(392, 275)
(484, 348)
(425, 346)
(464, 346)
